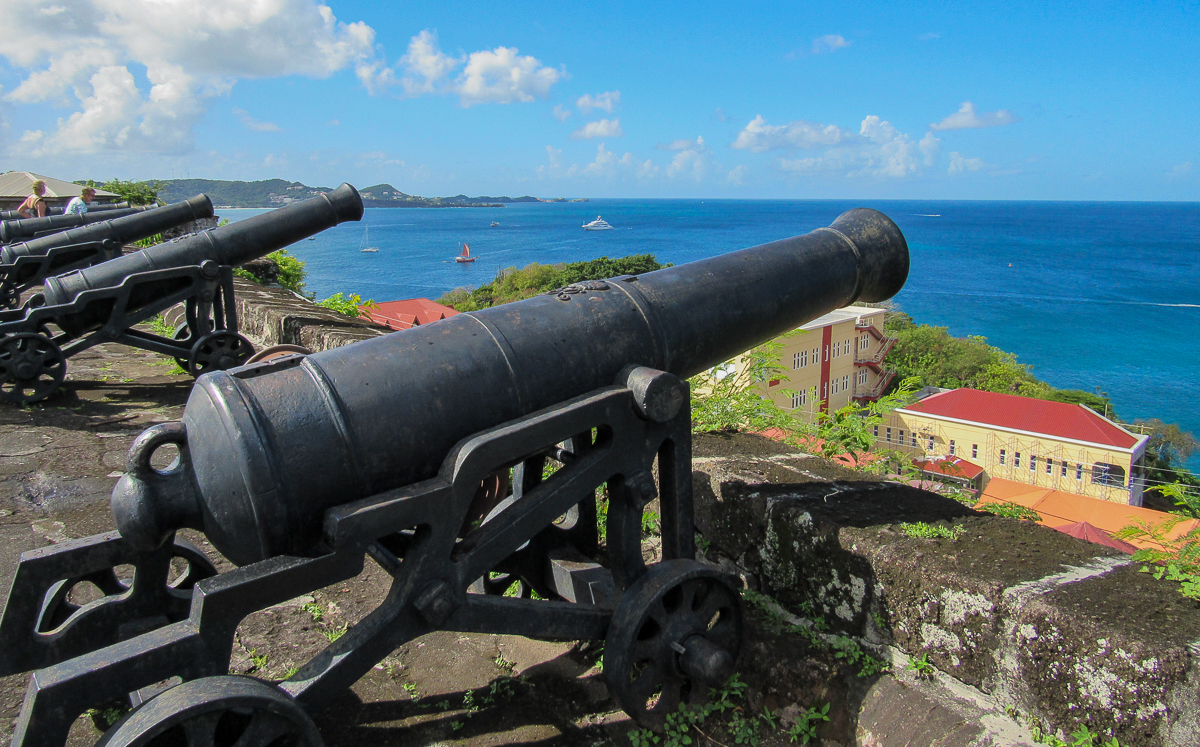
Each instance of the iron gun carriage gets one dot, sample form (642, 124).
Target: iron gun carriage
(463, 457)
(102, 303)
(27, 264)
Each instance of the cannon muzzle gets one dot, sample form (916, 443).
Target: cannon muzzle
(113, 225)
(266, 449)
(28, 228)
(234, 244)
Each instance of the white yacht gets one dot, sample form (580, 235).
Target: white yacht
(597, 225)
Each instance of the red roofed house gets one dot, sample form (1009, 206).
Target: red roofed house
(1046, 444)
(411, 312)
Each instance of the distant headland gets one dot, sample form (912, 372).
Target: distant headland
(271, 193)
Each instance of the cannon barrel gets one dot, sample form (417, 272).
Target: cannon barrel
(93, 208)
(234, 244)
(120, 229)
(266, 451)
(28, 228)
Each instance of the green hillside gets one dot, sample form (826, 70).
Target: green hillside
(278, 192)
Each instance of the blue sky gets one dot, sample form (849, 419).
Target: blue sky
(940, 100)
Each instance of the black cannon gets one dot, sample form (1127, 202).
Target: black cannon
(24, 229)
(95, 207)
(465, 458)
(102, 303)
(28, 264)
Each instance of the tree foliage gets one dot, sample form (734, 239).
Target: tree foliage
(726, 398)
(514, 284)
(135, 193)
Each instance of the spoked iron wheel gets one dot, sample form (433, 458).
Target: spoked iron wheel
(31, 367)
(183, 333)
(225, 711)
(219, 351)
(10, 297)
(675, 632)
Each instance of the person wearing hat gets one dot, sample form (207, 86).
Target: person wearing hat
(34, 203)
(79, 205)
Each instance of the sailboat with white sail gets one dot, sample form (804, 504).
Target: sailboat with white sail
(365, 246)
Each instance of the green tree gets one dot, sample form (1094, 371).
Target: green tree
(726, 398)
(513, 284)
(136, 193)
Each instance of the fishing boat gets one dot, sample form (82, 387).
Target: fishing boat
(597, 225)
(466, 254)
(495, 224)
(366, 241)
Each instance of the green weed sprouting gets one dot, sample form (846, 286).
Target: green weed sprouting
(921, 530)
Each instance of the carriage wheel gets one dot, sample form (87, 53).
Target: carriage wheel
(677, 630)
(31, 367)
(219, 351)
(224, 711)
(10, 297)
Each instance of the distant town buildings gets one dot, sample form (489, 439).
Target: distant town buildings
(830, 361)
(1052, 445)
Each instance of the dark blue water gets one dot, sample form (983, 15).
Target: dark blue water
(1092, 295)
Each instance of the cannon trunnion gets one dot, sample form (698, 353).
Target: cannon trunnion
(102, 303)
(467, 458)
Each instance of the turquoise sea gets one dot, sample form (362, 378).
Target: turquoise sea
(1092, 295)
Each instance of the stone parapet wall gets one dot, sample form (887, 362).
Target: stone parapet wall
(276, 316)
(1030, 619)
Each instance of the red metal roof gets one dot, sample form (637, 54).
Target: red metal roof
(1026, 414)
(952, 466)
(410, 312)
(1085, 531)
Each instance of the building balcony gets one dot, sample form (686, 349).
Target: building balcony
(863, 394)
(875, 358)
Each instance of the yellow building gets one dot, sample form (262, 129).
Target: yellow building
(830, 361)
(1052, 445)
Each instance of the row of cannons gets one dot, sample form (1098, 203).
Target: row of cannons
(462, 457)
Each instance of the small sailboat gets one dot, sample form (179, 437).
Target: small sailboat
(366, 241)
(466, 254)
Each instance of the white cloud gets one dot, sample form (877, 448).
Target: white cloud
(334, 122)
(966, 118)
(606, 165)
(758, 136)
(502, 76)
(893, 155)
(605, 101)
(720, 115)
(930, 146)
(498, 76)
(828, 43)
(1180, 172)
(561, 113)
(554, 155)
(930, 36)
(82, 53)
(600, 128)
(681, 144)
(879, 150)
(254, 124)
(736, 175)
(693, 161)
(960, 163)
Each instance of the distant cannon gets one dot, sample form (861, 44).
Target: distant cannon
(28, 264)
(95, 207)
(404, 448)
(24, 229)
(102, 303)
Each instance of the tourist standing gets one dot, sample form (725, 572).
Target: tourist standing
(79, 205)
(34, 203)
